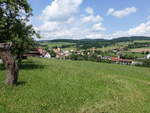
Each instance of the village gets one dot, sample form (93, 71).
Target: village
(89, 55)
(74, 56)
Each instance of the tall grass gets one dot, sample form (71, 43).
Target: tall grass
(57, 86)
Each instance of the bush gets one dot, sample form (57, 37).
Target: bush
(106, 61)
(52, 53)
(146, 63)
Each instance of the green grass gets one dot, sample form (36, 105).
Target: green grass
(115, 46)
(60, 44)
(57, 86)
(142, 41)
(122, 45)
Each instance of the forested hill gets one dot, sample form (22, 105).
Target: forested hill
(97, 43)
(120, 39)
(133, 38)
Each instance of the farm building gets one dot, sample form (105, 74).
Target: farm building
(61, 54)
(148, 56)
(47, 55)
(38, 52)
(1, 61)
(137, 63)
(121, 61)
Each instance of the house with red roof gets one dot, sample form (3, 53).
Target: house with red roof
(121, 61)
(38, 52)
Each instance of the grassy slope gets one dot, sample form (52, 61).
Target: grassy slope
(60, 44)
(110, 47)
(123, 44)
(55, 86)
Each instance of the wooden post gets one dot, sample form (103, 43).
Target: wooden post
(10, 64)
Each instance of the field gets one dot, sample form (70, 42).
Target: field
(125, 44)
(140, 50)
(57, 86)
(111, 46)
(115, 46)
(67, 46)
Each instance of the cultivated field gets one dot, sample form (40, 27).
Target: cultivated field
(57, 86)
(140, 50)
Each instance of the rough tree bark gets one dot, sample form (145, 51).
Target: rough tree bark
(10, 64)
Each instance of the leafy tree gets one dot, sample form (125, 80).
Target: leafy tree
(16, 35)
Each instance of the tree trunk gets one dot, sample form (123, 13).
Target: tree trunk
(19, 58)
(10, 65)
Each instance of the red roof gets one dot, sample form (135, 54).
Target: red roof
(36, 52)
(120, 60)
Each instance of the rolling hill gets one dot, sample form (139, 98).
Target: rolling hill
(57, 86)
(119, 39)
(89, 43)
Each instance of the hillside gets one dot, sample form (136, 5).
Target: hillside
(57, 86)
(89, 43)
(119, 39)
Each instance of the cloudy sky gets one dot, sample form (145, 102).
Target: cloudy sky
(80, 19)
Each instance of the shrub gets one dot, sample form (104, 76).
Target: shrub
(146, 63)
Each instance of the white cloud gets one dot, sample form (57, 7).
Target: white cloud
(49, 26)
(71, 20)
(59, 20)
(63, 19)
(89, 10)
(121, 13)
(92, 18)
(98, 27)
(60, 9)
(96, 36)
(79, 31)
(110, 11)
(142, 29)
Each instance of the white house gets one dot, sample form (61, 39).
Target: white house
(137, 63)
(148, 56)
(66, 53)
(1, 61)
(47, 55)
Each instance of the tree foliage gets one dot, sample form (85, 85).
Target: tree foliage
(14, 27)
(15, 30)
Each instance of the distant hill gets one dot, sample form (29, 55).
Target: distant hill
(73, 40)
(120, 39)
(97, 43)
(133, 38)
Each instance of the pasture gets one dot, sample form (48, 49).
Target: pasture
(58, 86)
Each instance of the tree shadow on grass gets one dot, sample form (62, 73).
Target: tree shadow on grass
(30, 66)
(21, 83)
(2, 67)
(27, 66)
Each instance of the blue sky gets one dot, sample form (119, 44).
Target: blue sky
(80, 19)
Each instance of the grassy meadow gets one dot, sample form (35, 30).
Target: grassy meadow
(60, 44)
(57, 86)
